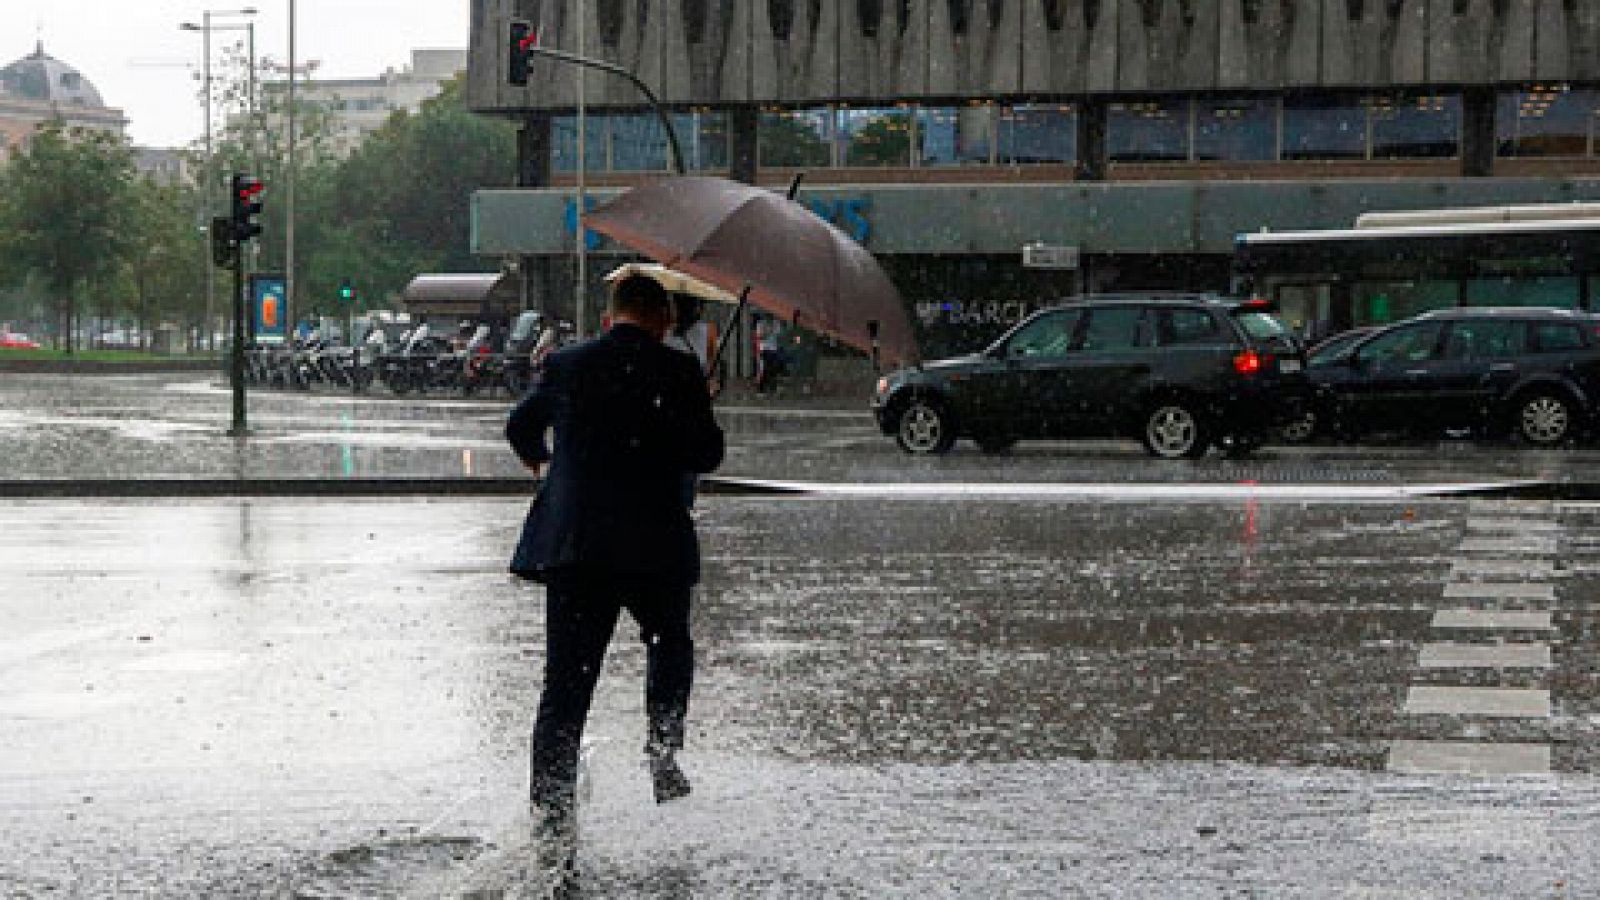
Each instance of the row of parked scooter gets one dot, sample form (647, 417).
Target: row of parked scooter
(406, 358)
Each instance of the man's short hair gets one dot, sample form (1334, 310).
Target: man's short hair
(641, 296)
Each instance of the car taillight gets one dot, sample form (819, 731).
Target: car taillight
(1247, 363)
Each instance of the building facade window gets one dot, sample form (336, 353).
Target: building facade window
(1149, 131)
(1243, 128)
(797, 139)
(873, 137)
(636, 142)
(1037, 133)
(955, 135)
(1424, 126)
(1324, 127)
(1546, 120)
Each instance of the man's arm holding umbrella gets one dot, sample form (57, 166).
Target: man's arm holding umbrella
(700, 444)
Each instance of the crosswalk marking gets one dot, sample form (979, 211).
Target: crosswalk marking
(1461, 758)
(1451, 655)
(1518, 568)
(1426, 699)
(1502, 523)
(1493, 619)
(1533, 545)
(1489, 590)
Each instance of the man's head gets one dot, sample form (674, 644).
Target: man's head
(641, 300)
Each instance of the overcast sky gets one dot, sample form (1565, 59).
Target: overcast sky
(133, 51)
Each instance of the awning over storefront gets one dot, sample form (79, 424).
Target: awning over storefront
(466, 295)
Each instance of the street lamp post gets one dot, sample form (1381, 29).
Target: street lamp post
(208, 174)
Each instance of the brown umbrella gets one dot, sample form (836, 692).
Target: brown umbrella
(792, 263)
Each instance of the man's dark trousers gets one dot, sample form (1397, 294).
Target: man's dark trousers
(581, 611)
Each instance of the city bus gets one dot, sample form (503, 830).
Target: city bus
(1393, 265)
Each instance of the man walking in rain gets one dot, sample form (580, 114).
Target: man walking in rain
(610, 531)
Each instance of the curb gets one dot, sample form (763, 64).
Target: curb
(135, 488)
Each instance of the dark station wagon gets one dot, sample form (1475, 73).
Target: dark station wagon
(1180, 372)
(1531, 373)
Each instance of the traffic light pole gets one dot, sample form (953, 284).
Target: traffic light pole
(240, 426)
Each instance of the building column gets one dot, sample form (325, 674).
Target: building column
(1091, 140)
(1477, 131)
(743, 146)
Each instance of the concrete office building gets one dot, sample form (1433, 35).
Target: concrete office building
(1136, 138)
(359, 106)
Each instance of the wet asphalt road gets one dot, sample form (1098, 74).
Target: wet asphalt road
(1023, 695)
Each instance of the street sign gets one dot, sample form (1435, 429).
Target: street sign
(1049, 256)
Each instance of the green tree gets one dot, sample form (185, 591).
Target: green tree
(66, 212)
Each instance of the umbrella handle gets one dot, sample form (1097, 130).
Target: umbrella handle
(727, 329)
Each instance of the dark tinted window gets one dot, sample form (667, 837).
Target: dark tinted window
(1188, 326)
(1113, 328)
(1048, 335)
(1410, 343)
(1485, 340)
(1553, 337)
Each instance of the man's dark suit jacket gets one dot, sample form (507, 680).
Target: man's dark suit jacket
(632, 421)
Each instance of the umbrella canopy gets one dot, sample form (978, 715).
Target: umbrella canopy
(796, 265)
(673, 281)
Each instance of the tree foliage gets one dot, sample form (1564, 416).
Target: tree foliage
(66, 213)
(77, 222)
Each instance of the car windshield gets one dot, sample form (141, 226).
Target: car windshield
(1262, 325)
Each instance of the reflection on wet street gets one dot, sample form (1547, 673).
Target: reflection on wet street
(898, 696)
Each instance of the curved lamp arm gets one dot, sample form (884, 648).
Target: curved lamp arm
(672, 135)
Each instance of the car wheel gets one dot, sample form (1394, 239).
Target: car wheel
(1544, 418)
(993, 444)
(1301, 430)
(923, 428)
(1173, 430)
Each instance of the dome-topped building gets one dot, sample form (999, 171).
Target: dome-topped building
(39, 88)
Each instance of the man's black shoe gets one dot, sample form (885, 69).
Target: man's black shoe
(669, 781)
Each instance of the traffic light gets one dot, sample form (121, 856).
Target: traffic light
(520, 39)
(224, 252)
(347, 292)
(246, 205)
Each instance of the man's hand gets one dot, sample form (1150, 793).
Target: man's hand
(537, 468)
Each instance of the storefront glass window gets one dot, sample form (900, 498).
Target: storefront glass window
(1324, 127)
(1236, 128)
(638, 143)
(954, 135)
(875, 136)
(795, 139)
(1547, 120)
(1415, 126)
(1148, 131)
(1038, 133)
(564, 143)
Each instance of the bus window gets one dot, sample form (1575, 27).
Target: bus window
(1382, 302)
(1524, 290)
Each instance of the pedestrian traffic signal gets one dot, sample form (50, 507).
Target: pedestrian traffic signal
(347, 292)
(520, 40)
(246, 205)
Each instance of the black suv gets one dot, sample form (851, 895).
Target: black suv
(1181, 372)
(1529, 372)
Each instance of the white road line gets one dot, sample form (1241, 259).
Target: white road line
(1458, 758)
(1529, 703)
(1492, 590)
(1493, 619)
(1452, 655)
